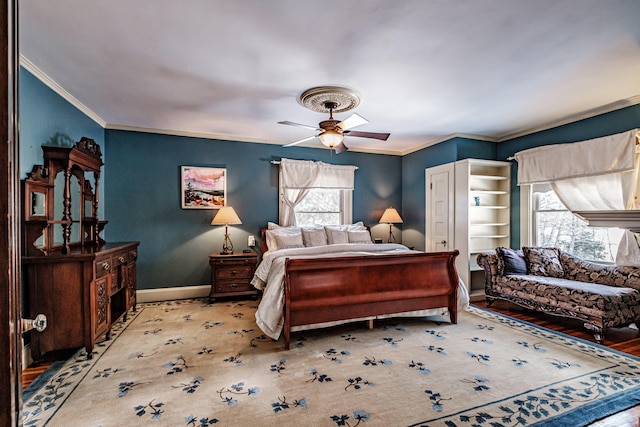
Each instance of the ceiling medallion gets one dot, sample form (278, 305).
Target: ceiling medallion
(316, 98)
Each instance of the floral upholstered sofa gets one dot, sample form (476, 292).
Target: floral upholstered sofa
(558, 283)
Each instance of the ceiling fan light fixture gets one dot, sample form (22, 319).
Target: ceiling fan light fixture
(330, 138)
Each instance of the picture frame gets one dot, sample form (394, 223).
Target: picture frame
(203, 187)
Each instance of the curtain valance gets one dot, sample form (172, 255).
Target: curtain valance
(297, 174)
(609, 154)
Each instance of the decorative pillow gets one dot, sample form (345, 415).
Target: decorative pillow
(335, 236)
(314, 237)
(511, 261)
(272, 244)
(359, 236)
(543, 261)
(287, 241)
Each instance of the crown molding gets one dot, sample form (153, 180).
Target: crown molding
(446, 138)
(617, 105)
(53, 85)
(233, 139)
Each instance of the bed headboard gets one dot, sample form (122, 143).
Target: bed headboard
(263, 240)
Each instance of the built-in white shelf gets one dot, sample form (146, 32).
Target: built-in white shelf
(482, 216)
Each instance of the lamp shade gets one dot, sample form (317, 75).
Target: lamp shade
(390, 216)
(226, 216)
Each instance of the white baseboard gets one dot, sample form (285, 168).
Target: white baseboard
(168, 294)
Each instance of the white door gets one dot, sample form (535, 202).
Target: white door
(439, 208)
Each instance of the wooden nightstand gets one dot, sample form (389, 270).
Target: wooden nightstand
(231, 275)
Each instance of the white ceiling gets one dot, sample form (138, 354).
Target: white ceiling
(426, 69)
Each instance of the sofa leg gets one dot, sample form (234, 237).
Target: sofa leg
(598, 332)
(489, 301)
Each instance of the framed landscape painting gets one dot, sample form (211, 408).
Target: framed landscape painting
(203, 188)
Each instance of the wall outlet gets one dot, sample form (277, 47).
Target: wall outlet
(251, 241)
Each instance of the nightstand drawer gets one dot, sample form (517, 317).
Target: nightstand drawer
(234, 272)
(234, 286)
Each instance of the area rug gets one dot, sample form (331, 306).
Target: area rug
(191, 363)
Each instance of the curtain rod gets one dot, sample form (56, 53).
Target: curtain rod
(277, 162)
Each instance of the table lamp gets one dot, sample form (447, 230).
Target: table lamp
(390, 216)
(226, 216)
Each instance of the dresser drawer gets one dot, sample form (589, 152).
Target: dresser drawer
(103, 266)
(234, 286)
(234, 272)
(119, 259)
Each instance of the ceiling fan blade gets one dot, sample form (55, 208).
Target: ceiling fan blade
(352, 121)
(286, 122)
(340, 148)
(374, 135)
(300, 141)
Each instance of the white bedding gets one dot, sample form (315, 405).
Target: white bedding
(269, 278)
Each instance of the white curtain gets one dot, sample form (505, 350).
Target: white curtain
(297, 177)
(597, 174)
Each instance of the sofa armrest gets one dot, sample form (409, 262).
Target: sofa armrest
(578, 269)
(489, 261)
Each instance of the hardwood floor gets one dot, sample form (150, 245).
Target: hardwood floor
(622, 339)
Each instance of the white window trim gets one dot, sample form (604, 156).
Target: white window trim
(526, 216)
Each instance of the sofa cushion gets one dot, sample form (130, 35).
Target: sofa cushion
(543, 261)
(615, 305)
(511, 261)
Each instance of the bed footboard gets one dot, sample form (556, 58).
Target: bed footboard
(321, 290)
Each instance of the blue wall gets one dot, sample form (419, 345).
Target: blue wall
(143, 197)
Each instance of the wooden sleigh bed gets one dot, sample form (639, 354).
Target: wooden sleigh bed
(322, 289)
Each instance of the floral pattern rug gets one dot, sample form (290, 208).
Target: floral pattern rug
(191, 363)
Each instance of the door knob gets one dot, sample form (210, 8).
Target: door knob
(39, 323)
(444, 242)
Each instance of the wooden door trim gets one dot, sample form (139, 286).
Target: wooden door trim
(10, 305)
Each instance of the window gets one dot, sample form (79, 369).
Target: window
(554, 226)
(324, 206)
(313, 193)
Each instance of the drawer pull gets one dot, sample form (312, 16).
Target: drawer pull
(233, 272)
(121, 258)
(233, 285)
(106, 265)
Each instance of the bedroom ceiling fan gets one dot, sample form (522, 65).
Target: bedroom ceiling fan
(332, 131)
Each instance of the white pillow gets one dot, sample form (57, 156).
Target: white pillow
(314, 236)
(287, 241)
(335, 236)
(359, 236)
(348, 227)
(272, 244)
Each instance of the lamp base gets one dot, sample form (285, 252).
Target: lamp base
(227, 245)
